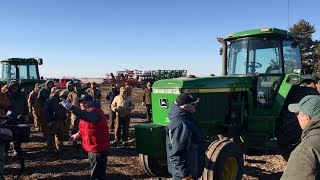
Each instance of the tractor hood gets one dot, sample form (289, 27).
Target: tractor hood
(192, 85)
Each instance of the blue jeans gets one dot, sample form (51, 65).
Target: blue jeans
(98, 164)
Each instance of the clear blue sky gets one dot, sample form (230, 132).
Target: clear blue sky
(92, 38)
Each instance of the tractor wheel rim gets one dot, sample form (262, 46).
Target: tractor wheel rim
(230, 169)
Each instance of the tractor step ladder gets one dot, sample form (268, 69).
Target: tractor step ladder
(256, 137)
(256, 141)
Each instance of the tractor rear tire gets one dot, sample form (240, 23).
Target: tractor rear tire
(154, 167)
(224, 160)
(288, 130)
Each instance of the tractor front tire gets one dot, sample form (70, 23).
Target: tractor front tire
(224, 160)
(154, 167)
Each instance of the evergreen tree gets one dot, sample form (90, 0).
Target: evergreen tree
(317, 58)
(305, 30)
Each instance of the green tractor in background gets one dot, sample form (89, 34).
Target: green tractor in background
(246, 106)
(25, 70)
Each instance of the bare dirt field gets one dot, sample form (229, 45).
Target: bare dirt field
(122, 161)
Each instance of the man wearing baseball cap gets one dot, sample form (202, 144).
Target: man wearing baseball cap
(184, 140)
(94, 134)
(122, 105)
(304, 160)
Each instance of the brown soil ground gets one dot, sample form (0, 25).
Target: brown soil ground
(122, 161)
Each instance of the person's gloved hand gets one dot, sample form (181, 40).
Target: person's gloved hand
(74, 137)
(66, 104)
(26, 118)
(143, 103)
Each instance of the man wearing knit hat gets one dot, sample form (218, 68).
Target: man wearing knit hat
(304, 160)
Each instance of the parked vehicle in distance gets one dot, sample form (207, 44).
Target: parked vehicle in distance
(55, 81)
(62, 82)
(81, 83)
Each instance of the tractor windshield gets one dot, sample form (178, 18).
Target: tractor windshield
(262, 56)
(21, 71)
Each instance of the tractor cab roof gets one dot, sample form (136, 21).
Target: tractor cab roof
(261, 32)
(19, 60)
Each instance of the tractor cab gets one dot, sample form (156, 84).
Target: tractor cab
(23, 69)
(266, 58)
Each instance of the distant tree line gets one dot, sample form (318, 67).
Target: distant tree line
(310, 49)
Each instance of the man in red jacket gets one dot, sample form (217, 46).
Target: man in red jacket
(94, 134)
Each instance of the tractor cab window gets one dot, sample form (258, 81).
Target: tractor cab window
(254, 56)
(264, 55)
(33, 73)
(23, 69)
(11, 71)
(291, 56)
(237, 58)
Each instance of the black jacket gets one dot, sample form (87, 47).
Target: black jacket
(53, 110)
(185, 144)
(19, 105)
(44, 93)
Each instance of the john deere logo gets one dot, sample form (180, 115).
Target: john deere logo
(164, 103)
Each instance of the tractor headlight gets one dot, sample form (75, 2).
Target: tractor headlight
(293, 79)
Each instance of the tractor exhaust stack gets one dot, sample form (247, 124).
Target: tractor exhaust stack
(224, 56)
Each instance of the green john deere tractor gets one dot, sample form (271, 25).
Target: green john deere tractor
(25, 70)
(246, 106)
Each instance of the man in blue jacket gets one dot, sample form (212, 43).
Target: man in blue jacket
(184, 140)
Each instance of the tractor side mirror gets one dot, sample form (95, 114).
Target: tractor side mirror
(296, 71)
(40, 61)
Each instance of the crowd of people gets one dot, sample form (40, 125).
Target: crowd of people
(76, 113)
(72, 114)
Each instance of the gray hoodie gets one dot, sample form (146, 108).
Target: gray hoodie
(64, 94)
